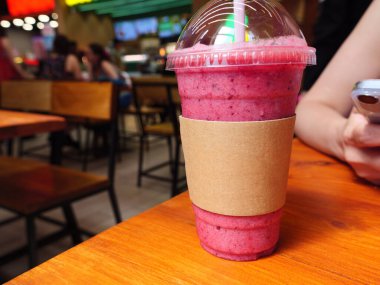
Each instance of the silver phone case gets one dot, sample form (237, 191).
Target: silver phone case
(366, 97)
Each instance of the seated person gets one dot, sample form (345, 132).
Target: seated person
(326, 119)
(101, 68)
(61, 64)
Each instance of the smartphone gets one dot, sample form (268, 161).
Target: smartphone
(366, 97)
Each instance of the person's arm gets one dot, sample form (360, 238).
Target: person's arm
(73, 66)
(89, 69)
(110, 70)
(8, 51)
(322, 114)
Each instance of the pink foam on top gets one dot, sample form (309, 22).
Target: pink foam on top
(281, 50)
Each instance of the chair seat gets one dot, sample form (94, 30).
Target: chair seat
(164, 129)
(145, 110)
(30, 187)
(84, 121)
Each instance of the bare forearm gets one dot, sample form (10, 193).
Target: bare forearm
(322, 114)
(321, 127)
(8, 52)
(20, 71)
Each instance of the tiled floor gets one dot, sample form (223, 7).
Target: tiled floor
(93, 213)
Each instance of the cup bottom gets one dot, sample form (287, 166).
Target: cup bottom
(236, 257)
(238, 238)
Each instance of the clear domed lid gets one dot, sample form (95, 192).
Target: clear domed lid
(241, 32)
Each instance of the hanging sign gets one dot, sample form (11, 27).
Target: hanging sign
(20, 8)
(76, 2)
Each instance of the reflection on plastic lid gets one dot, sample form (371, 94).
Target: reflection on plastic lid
(239, 33)
(135, 58)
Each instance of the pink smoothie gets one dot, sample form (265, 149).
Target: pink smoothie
(238, 238)
(251, 93)
(240, 93)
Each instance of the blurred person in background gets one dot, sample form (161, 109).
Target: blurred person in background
(326, 119)
(117, 51)
(61, 64)
(101, 68)
(336, 20)
(73, 48)
(8, 68)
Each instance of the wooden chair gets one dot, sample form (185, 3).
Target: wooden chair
(28, 96)
(35, 96)
(29, 188)
(160, 91)
(149, 114)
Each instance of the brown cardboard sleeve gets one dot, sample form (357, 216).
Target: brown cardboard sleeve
(237, 168)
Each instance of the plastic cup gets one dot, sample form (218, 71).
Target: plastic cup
(227, 81)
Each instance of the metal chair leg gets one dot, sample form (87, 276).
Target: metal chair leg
(114, 204)
(170, 149)
(123, 132)
(79, 136)
(176, 169)
(56, 142)
(72, 224)
(32, 241)
(141, 160)
(119, 145)
(86, 151)
(20, 147)
(10, 147)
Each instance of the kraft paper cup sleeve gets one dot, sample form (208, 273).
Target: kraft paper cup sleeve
(237, 168)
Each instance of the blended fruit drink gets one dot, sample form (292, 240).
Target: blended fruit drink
(248, 93)
(242, 93)
(253, 81)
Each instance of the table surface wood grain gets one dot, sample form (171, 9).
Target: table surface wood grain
(18, 124)
(330, 234)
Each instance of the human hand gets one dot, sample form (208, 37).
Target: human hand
(361, 146)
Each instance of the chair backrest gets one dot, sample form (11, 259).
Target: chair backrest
(175, 95)
(90, 100)
(26, 95)
(150, 90)
(162, 90)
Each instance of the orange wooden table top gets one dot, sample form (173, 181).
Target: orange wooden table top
(330, 235)
(17, 124)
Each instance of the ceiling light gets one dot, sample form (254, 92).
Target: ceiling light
(27, 27)
(43, 18)
(5, 24)
(53, 24)
(30, 20)
(18, 22)
(40, 25)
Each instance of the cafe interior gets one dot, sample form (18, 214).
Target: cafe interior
(93, 185)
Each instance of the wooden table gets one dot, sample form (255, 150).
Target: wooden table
(330, 235)
(18, 124)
